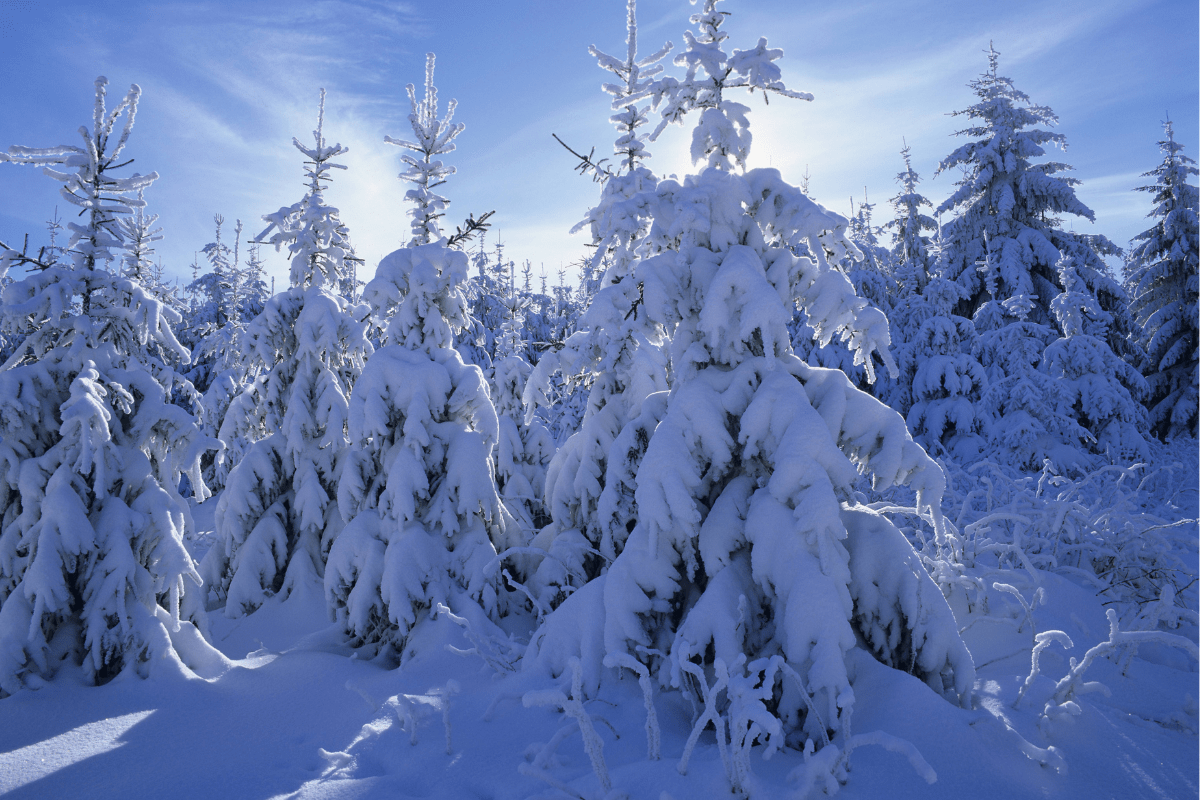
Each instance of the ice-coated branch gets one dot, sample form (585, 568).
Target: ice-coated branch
(431, 137)
(653, 734)
(1072, 684)
(573, 707)
(1043, 640)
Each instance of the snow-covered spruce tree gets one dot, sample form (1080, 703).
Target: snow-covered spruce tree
(747, 552)
(423, 518)
(434, 137)
(221, 327)
(525, 447)
(254, 292)
(940, 383)
(138, 234)
(1163, 285)
(910, 246)
(943, 381)
(277, 517)
(1026, 423)
(872, 274)
(216, 321)
(1090, 379)
(92, 562)
(1007, 211)
(913, 260)
(616, 356)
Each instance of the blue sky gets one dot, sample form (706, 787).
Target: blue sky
(226, 85)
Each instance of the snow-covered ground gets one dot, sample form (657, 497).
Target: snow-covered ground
(294, 713)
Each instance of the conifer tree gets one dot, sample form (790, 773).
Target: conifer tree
(278, 517)
(745, 556)
(616, 357)
(1163, 284)
(1005, 244)
(92, 561)
(424, 521)
(910, 245)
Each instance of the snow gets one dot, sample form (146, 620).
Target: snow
(293, 715)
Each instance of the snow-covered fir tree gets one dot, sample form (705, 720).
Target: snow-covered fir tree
(525, 446)
(216, 322)
(616, 357)
(1090, 379)
(138, 235)
(228, 370)
(278, 516)
(1005, 242)
(424, 521)
(433, 137)
(1163, 288)
(910, 244)
(941, 380)
(872, 274)
(254, 285)
(92, 561)
(940, 383)
(744, 555)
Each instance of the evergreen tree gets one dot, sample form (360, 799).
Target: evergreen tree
(910, 245)
(434, 137)
(1090, 379)
(424, 522)
(616, 357)
(1163, 284)
(525, 446)
(92, 562)
(745, 557)
(138, 234)
(944, 382)
(1006, 241)
(277, 518)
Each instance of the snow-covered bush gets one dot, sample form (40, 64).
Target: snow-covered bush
(424, 521)
(1128, 531)
(92, 562)
(743, 540)
(277, 517)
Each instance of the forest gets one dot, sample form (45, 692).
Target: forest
(773, 502)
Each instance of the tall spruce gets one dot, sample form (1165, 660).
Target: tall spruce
(424, 521)
(92, 561)
(1163, 285)
(278, 517)
(1003, 248)
(743, 561)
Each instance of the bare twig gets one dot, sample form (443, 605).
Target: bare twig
(600, 173)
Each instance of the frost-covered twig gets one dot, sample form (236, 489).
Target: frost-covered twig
(573, 707)
(500, 656)
(1039, 596)
(653, 734)
(1043, 641)
(710, 712)
(830, 765)
(1072, 684)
